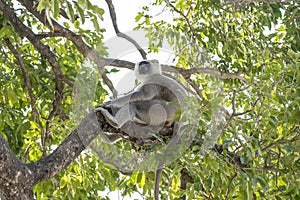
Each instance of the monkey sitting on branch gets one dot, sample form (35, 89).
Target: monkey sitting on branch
(152, 105)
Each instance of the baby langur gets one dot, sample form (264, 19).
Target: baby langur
(154, 102)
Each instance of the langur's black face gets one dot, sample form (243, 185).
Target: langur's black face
(144, 67)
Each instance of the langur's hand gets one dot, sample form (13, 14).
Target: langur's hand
(107, 105)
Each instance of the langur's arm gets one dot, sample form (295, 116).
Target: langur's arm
(147, 92)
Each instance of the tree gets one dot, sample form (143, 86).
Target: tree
(240, 58)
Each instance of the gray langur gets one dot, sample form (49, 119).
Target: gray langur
(153, 103)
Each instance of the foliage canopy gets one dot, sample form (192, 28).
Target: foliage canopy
(249, 48)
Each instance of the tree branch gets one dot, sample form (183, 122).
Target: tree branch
(85, 49)
(174, 69)
(101, 62)
(47, 167)
(13, 173)
(245, 2)
(196, 88)
(26, 81)
(119, 33)
(24, 31)
(229, 185)
(185, 18)
(188, 72)
(17, 176)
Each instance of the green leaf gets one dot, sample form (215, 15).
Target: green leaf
(3, 135)
(70, 12)
(12, 98)
(139, 16)
(48, 16)
(175, 183)
(273, 120)
(56, 9)
(142, 181)
(81, 12)
(43, 4)
(98, 11)
(96, 24)
(134, 178)
(4, 31)
(83, 4)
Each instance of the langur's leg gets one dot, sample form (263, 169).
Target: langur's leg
(157, 114)
(139, 131)
(108, 116)
(125, 114)
(151, 113)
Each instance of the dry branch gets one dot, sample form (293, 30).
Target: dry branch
(119, 33)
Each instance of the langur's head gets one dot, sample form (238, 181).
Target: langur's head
(146, 68)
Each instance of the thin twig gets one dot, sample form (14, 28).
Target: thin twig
(185, 18)
(119, 33)
(188, 72)
(196, 88)
(27, 86)
(229, 185)
(245, 2)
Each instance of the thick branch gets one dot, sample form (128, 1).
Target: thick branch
(68, 150)
(13, 175)
(17, 179)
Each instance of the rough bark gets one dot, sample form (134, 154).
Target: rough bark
(17, 179)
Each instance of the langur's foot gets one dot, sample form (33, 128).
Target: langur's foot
(108, 117)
